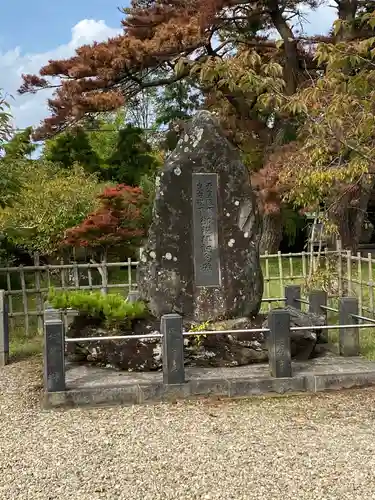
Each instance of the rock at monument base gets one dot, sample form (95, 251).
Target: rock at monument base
(220, 350)
(201, 259)
(129, 355)
(303, 342)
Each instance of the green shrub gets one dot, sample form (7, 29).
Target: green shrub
(111, 307)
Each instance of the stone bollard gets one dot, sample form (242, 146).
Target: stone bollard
(54, 355)
(133, 297)
(292, 296)
(173, 349)
(50, 313)
(4, 329)
(317, 299)
(278, 340)
(348, 337)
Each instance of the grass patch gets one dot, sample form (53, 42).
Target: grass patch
(367, 342)
(22, 347)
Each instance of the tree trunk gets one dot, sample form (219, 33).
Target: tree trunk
(347, 10)
(272, 233)
(290, 47)
(349, 214)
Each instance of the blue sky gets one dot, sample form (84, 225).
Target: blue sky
(31, 33)
(41, 25)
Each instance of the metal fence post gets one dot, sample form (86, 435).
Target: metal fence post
(292, 296)
(54, 355)
(348, 337)
(4, 329)
(173, 349)
(279, 352)
(317, 299)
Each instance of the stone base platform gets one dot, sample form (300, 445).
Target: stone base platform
(89, 385)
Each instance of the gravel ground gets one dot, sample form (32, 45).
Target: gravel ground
(319, 447)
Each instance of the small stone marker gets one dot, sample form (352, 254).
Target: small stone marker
(292, 296)
(173, 349)
(317, 299)
(4, 329)
(201, 259)
(133, 297)
(348, 337)
(279, 353)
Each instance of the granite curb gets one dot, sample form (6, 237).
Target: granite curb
(130, 394)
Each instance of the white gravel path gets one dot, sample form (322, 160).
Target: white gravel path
(284, 448)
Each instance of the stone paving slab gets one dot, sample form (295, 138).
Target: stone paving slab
(90, 385)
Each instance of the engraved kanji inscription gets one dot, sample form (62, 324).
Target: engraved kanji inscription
(205, 217)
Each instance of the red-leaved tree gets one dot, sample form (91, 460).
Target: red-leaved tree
(118, 222)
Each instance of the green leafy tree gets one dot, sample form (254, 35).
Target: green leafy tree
(50, 201)
(70, 147)
(132, 159)
(177, 101)
(113, 150)
(20, 146)
(331, 166)
(175, 104)
(9, 183)
(103, 135)
(5, 120)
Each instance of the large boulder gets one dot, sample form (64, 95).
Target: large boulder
(202, 255)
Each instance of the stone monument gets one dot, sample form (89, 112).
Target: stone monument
(201, 259)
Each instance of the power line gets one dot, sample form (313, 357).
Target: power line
(102, 130)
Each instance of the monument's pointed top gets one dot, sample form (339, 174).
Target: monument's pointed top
(205, 119)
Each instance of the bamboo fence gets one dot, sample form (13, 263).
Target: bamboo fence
(27, 286)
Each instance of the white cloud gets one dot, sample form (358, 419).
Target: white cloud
(31, 109)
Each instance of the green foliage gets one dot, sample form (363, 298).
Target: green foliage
(202, 327)
(111, 307)
(336, 141)
(50, 201)
(147, 184)
(177, 101)
(20, 146)
(113, 151)
(5, 120)
(103, 134)
(132, 158)
(292, 222)
(9, 182)
(245, 73)
(70, 147)
(324, 276)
